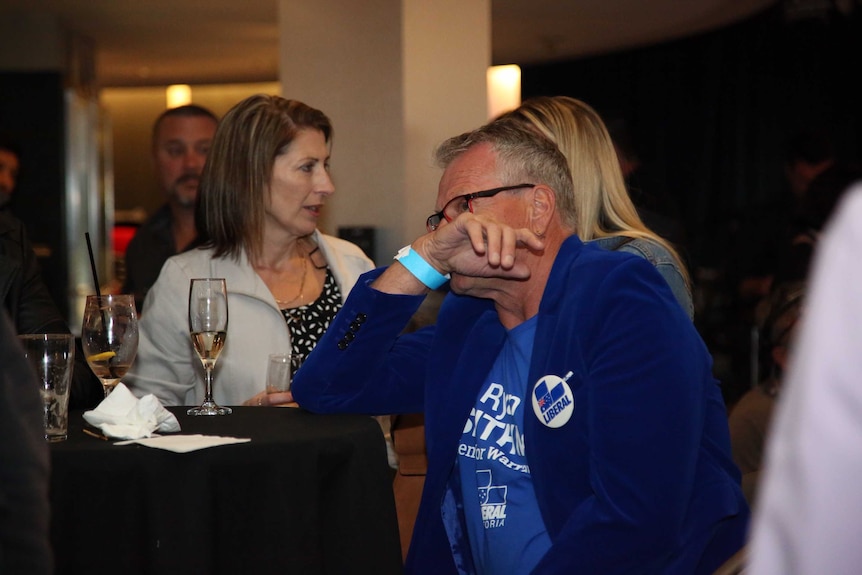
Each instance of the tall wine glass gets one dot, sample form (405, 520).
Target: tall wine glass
(208, 327)
(109, 336)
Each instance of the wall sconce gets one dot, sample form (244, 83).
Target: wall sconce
(504, 89)
(178, 95)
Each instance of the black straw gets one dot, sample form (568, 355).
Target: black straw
(93, 264)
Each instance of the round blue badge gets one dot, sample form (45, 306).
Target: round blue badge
(553, 401)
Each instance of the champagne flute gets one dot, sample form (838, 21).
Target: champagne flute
(109, 336)
(208, 327)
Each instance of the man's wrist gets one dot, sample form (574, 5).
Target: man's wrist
(421, 269)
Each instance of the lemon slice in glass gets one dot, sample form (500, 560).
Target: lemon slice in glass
(101, 356)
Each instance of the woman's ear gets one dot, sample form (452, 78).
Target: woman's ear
(542, 206)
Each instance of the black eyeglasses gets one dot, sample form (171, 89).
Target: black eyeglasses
(461, 204)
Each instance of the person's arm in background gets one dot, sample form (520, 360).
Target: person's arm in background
(748, 431)
(24, 473)
(33, 310)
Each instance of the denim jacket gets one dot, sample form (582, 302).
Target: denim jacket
(658, 256)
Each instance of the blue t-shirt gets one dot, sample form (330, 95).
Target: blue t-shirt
(506, 531)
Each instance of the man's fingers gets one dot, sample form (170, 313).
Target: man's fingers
(507, 250)
(477, 234)
(495, 242)
(456, 246)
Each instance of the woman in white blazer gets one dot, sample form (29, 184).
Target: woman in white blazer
(261, 194)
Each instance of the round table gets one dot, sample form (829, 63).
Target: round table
(308, 494)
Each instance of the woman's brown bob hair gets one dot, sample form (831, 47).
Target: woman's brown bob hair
(236, 177)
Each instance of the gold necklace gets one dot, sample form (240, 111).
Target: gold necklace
(282, 303)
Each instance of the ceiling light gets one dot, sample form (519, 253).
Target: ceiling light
(178, 95)
(504, 89)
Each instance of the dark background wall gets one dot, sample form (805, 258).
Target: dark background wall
(709, 116)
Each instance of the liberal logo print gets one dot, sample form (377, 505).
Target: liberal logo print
(492, 498)
(553, 402)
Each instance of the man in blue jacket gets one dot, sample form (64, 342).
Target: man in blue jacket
(572, 421)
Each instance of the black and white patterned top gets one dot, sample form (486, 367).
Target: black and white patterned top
(307, 323)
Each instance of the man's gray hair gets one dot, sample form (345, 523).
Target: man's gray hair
(523, 155)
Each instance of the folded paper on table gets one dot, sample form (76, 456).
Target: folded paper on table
(124, 416)
(185, 443)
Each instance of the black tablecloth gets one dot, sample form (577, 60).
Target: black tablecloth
(309, 494)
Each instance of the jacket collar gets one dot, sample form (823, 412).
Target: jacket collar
(557, 280)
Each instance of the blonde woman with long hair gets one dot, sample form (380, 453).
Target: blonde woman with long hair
(605, 212)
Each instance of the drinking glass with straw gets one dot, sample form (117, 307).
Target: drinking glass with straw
(109, 334)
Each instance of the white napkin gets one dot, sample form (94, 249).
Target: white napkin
(124, 416)
(185, 443)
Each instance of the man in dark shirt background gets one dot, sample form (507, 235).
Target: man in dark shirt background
(181, 141)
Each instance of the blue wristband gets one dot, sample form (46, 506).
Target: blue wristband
(422, 270)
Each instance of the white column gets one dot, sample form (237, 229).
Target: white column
(396, 77)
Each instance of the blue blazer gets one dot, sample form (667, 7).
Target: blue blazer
(639, 480)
